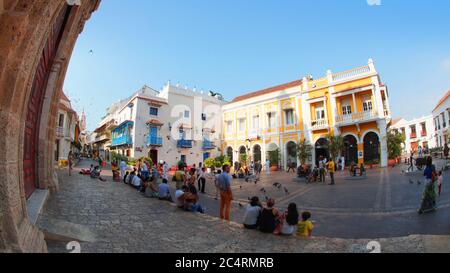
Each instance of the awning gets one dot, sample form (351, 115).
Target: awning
(155, 122)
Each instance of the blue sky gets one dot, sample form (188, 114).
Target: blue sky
(237, 46)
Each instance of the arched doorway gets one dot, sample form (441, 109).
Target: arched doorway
(273, 154)
(371, 147)
(321, 149)
(35, 63)
(230, 154)
(242, 150)
(291, 153)
(350, 150)
(257, 153)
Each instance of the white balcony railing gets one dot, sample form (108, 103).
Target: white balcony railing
(255, 133)
(356, 117)
(319, 124)
(351, 73)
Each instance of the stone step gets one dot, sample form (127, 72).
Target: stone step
(63, 231)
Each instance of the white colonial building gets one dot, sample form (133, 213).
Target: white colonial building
(418, 132)
(441, 117)
(174, 124)
(67, 130)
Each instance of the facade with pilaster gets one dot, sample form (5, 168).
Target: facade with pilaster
(353, 104)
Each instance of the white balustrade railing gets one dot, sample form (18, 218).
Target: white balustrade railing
(319, 124)
(356, 117)
(351, 73)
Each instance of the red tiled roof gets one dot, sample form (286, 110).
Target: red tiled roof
(442, 100)
(268, 90)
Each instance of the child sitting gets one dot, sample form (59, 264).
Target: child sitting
(305, 227)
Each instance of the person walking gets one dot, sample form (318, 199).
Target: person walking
(216, 183)
(226, 195)
(201, 179)
(420, 151)
(267, 167)
(322, 169)
(70, 161)
(165, 170)
(411, 162)
(331, 168)
(123, 169)
(343, 163)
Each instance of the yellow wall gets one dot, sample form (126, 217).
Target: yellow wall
(353, 84)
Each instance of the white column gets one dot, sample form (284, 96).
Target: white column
(383, 142)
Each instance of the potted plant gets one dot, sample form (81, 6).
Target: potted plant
(394, 143)
(274, 158)
(304, 151)
(335, 145)
(209, 163)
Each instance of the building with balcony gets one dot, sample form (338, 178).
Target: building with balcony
(353, 104)
(441, 119)
(67, 131)
(174, 124)
(417, 132)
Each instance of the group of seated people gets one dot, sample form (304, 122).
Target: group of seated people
(268, 219)
(148, 186)
(188, 200)
(93, 172)
(354, 169)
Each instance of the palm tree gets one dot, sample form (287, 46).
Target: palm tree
(335, 145)
(304, 151)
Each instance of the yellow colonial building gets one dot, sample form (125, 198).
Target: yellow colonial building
(353, 104)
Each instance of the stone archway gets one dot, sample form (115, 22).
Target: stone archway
(321, 149)
(350, 150)
(37, 41)
(230, 154)
(257, 154)
(291, 153)
(372, 148)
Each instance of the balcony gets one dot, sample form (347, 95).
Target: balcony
(423, 133)
(255, 134)
(121, 141)
(154, 141)
(208, 145)
(319, 124)
(185, 144)
(356, 118)
(413, 135)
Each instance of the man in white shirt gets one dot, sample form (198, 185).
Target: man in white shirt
(267, 167)
(179, 196)
(166, 170)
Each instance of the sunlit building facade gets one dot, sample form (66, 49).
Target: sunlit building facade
(353, 104)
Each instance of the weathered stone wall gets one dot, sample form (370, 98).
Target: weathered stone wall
(24, 28)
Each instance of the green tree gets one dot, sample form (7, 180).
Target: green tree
(274, 157)
(304, 151)
(210, 162)
(243, 158)
(335, 145)
(394, 143)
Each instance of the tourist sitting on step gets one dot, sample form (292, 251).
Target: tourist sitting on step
(268, 219)
(151, 189)
(252, 213)
(180, 196)
(306, 226)
(164, 191)
(137, 183)
(191, 201)
(96, 174)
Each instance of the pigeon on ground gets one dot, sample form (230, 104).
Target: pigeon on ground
(240, 205)
(419, 183)
(411, 182)
(263, 190)
(286, 191)
(267, 198)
